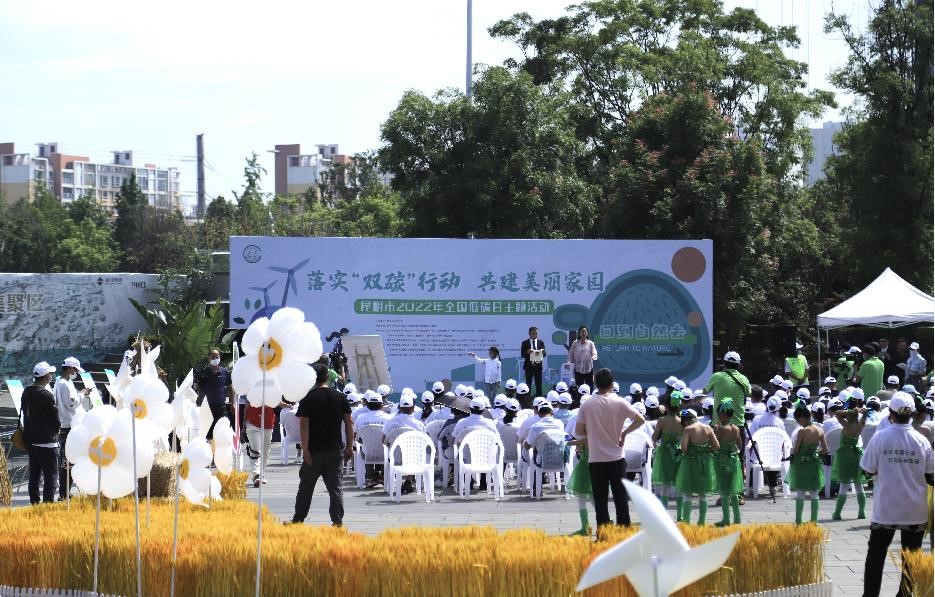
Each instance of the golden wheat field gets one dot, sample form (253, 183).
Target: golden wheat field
(47, 546)
(921, 570)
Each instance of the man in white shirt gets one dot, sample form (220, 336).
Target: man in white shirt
(373, 415)
(404, 420)
(476, 420)
(67, 399)
(545, 423)
(901, 458)
(770, 418)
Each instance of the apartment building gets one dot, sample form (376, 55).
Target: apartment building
(296, 172)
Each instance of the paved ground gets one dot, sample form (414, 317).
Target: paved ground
(371, 511)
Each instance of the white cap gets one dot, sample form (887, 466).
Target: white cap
(510, 384)
(699, 393)
(671, 380)
(349, 389)
(732, 357)
(914, 346)
(690, 412)
(353, 397)
(748, 408)
(777, 380)
(552, 396)
(478, 403)
(803, 393)
(584, 389)
(371, 396)
(460, 389)
(818, 407)
(707, 403)
(640, 408)
(486, 402)
(930, 393)
(909, 389)
(522, 389)
(384, 389)
(781, 394)
(680, 385)
(831, 379)
(786, 385)
(405, 401)
(615, 387)
(408, 391)
(824, 391)
(561, 387)
(858, 393)
(652, 401)
(652, 391)
(635, 387)
(438, 388)
(537, 401)
(512, 404)
(902, 402)
(892, 380)
(544, 405)
(842, 396)
(73, 362)
(478, 393)
(500, 400)
(427, 397)
(469, 391)
(853, 350)
(798, 345)
(836, 403)
(773, 404)
(42, 369)
(564, 398)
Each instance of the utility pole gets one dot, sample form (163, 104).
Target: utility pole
(200, 185)
(468, 73)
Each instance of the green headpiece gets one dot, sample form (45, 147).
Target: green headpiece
(675, 399)
(726, 406)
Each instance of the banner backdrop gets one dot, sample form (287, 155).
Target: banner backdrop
(647, 304)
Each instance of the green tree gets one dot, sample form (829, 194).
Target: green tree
(375, 215)
(252, 213)
(881, 171)
(219, 223)
(132, 211)
(23, 244)
(361, 176)
(504, 166)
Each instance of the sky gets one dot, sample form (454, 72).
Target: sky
(116, 75)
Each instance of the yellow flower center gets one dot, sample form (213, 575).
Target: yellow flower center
(102, 451)
(270, 356)
(139, 409)
(184, 468)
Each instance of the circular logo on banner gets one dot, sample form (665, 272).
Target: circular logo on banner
(252, 254)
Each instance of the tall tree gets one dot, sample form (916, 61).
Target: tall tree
(219, 223)
(504, 166)
(882, 167)
(252, 213)
(132, 210)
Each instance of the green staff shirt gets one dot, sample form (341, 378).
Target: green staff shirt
(871, 376)
(723, 385)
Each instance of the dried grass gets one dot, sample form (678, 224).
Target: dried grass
(46, 546)
(920, 567)
(6, 488)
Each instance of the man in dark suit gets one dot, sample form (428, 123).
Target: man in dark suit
(533, 370)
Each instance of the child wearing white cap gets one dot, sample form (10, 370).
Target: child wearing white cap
(476, 420)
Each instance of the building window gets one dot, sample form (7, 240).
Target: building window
(68, 178)
(143, 182)
(161, 186)
(67, 193)
(89, 180)
(105, 181)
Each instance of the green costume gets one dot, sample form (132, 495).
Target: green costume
(666, 459)
(846, 465)
(727, 469)
(696, 471)
(806, 471)
(580, 481)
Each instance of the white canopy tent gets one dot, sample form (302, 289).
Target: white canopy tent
(887, 302)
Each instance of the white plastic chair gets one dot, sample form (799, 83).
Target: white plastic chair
(791, 425)
(772, 444)
(369, 450)
(486, 453)
(511, 449)
(432, 430)
(637, 451)
(416, 455)
(833, 439)
(548, 456)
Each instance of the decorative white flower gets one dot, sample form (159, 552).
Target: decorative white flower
(195, 481)
(283, 347)
(183, 394)
(104, 439)
(146, 398)
(223, 445)
(148, 362)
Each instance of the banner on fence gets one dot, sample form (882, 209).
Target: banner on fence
(647, 304)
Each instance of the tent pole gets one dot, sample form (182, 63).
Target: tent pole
(818, 332)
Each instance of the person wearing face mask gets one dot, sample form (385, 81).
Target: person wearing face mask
(214, 383)
(915, 366)
(67, 399)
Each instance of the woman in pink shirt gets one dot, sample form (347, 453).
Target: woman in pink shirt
(582, 354)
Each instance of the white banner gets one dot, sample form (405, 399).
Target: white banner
(647, 304)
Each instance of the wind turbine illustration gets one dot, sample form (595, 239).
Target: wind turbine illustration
(265, 292)
(657, 560)
(268, 309)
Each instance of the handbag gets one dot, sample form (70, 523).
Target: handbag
(19, 436)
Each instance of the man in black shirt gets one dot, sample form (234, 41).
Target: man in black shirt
(41, 426)
(320, 414)
(214, 383)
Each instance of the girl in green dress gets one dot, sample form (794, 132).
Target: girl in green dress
(806, 471)
(579, 484)
(846, 465)
(727, 463)
(667, 437)
(696, 468)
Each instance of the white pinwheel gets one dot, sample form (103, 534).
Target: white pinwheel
(104, 439)
(282, 347)
(147, 398)
(183, 394)
(223, 444)
(195, 481)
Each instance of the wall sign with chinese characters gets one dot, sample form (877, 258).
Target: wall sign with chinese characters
(647, 303)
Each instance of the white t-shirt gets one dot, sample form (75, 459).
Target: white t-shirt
(402, 420)
(491, 369)
(370, 417)
(900, 457)
(472, 422)
(66, 401)
(765, 420)
(830, 424)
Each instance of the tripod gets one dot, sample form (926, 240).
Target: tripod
(756, 452)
